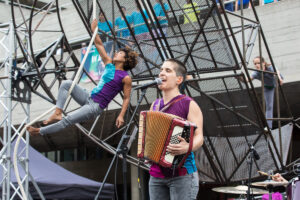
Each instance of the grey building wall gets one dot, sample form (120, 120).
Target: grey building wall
(279, 22)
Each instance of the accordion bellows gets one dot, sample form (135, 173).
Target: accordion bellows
(156, 131)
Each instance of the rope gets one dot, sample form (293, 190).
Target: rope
(76, 79)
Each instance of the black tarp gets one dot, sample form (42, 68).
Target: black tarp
(56, 182)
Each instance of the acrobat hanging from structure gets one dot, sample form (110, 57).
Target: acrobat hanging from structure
(114, 79)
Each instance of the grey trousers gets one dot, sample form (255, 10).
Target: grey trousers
(88, 110)
(269, 99)
(177, 188)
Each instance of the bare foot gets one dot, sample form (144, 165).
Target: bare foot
(33, 131)
(56, 116)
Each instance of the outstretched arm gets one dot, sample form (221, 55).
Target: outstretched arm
(99, 45)
(195, 116)
(277, 177)
(126, 90)
(279, 78)
(244, 79)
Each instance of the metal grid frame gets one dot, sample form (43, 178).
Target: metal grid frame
(211, 30)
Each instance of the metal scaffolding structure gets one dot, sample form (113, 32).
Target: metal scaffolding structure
(6, 104)
(15, 96)
(210, 48)
(217, 60)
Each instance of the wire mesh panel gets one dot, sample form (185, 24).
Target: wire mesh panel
(202, 44)
(228, 104)
(231, 124)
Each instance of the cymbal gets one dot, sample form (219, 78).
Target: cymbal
(269, 183)
(240, 189)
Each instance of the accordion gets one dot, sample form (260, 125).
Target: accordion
(156, 131)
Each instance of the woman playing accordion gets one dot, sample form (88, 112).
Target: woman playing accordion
(181, 183)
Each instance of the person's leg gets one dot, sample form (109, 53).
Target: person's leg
(247, 5)
(88, 111)
(184, 187)
(269, 99)
(138, 37)
(158, 189)
(165, 29)
(79, 94)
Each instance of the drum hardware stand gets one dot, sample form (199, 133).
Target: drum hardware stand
(270, 189)
(253, 155)
(123, 150)
(250, 163)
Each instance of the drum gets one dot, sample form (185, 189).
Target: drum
(293, 189)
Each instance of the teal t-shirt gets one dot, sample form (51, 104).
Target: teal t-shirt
(121, 24)
(159, 12)
(268, 1)
(104, 26)
(137, 18)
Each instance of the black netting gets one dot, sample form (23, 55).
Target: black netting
(231, 159)
(201, 44)
(227, 103)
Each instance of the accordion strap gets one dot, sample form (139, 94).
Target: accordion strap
(156, 105)
(171, 103)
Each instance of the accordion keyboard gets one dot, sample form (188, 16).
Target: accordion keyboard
(174, 140)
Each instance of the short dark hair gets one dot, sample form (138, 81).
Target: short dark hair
(131, 58)
(179, 68)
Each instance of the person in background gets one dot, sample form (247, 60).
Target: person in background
(246, 4)
(141, 30)
(190, 15)
(269, 84)
(161, 16)
(268, 1)
(121, 24)
(228, 6)
(276, 195)
(105, 26)
(278, 178)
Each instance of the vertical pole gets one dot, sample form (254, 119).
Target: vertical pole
(243, 29)
(9, 103)
(27, 153)
(278, 114)
(94, 9)
(5, 129)
(26, 159)
(262, 74)
(114, 44)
